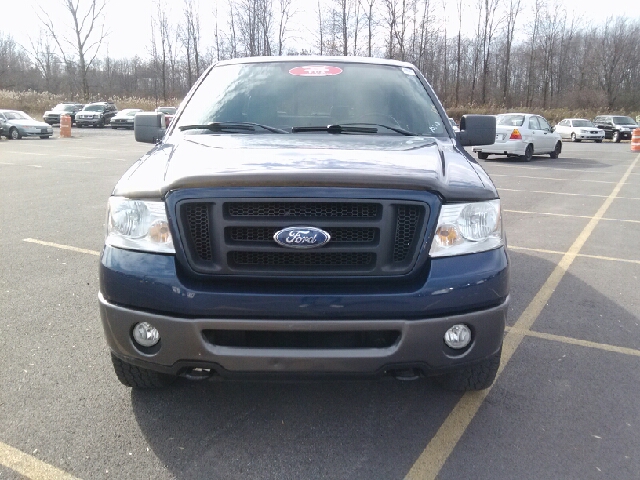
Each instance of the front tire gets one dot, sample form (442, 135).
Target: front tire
(14, 134)
(557, 150)
(136, 377)
(598, 141)
(574, 138)
(528, 153)
(473, 377)
(483, 155)
(616, 137)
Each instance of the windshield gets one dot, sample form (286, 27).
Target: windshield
(17, 116)
(64, 108)
(510, 120)
(583, 123)
(290, 95)
(623, 121)
(94, 108)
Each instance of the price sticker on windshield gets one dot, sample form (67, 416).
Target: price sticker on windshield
(315, 71)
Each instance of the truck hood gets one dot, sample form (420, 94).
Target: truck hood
(306, 160)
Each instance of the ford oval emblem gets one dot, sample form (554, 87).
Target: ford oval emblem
(301, 237)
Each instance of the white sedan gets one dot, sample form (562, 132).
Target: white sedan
(522, 135)
(578, 129)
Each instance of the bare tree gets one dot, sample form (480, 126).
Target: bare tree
(82, 43)
(458, 52)
(510, 26)
(44, 57)
(285, 15)
(538, 8)
(320, 29)
(160, 46)
(618, 41)
(191, 40)
(488, 31)
(369, 15)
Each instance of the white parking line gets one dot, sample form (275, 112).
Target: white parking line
(583, 255)
(569, 215)
(546, 169)
(565, 193)
(30, 466)
(27, 153)
(63, 247)
(550, 178)
(576, 341)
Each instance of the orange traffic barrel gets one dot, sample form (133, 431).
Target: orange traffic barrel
(635, 140)
(65, 126)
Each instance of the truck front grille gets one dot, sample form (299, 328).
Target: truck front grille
(235, 237)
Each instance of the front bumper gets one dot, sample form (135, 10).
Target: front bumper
(35, 132)
(184, 346)
(89, 121)
(117, 124)
(623, 134)
(137, 287)
(589, 136)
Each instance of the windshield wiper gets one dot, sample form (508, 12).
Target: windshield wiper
(334, 129)
(221, 126)
(351, 128)
(399, 130)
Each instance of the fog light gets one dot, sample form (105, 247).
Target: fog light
(146, 334)
(458, 336)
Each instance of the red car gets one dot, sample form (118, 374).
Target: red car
(169, 113)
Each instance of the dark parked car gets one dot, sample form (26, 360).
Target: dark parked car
(290, 224)
(616, 127)
(52, 117)
(96, 114)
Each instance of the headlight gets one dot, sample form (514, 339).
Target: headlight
(138, 225)
(467, 228)
(584, 131)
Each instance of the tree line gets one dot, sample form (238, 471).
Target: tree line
(513, 54)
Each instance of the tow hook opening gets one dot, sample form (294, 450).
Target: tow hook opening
(406, 374)
(197, 374)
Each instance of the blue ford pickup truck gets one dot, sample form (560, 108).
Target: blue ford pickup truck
(306, 216)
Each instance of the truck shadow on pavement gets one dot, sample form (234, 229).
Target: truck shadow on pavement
(543, 160)
(377, 429)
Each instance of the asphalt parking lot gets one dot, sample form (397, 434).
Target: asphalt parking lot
(566, 403)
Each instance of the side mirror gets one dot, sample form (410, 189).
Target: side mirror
(149, 127)
(477, 130)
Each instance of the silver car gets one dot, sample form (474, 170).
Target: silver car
(17, 124)
(578, 129)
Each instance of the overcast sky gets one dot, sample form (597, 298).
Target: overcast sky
(129, 21)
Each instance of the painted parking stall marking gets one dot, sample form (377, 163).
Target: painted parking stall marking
(30, 466)
(434, 456)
